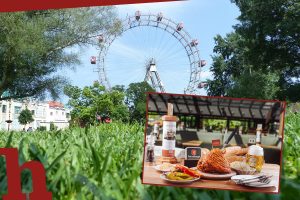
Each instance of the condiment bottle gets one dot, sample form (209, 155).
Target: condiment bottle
(156, 130)
(169, 133)
(258, 134)
(150, 148)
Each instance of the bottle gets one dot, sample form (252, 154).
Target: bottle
(258, 134)
(150, 148)
(156, 130)
(169, 133)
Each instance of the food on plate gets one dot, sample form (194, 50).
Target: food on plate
(179, 176)
(232, 149)
(186, 170)
(236, 150)
(240, 166)
(235, 153)
(165, 167)
(182, 173)
(214, 162)
(204, 152)
(233, 158)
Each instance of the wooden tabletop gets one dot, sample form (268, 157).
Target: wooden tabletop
(192, 143)
(152, 176)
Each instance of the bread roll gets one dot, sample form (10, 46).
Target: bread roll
(236, 150)
(232, 158)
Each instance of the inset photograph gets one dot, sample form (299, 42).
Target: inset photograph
(213, 142)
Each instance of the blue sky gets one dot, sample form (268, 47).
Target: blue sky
(125, 62)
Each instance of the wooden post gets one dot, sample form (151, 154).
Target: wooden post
(170, 109)
(281, 119)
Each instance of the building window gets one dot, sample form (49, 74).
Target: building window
(17, 109)
(56, 112)
(32, 112)
(51, 113)
(63, 113)
(67, 115)
(4, 109)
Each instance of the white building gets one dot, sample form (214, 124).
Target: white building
(44, 113)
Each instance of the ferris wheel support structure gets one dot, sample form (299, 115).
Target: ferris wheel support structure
(158, 21)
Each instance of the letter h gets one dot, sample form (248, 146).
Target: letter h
(13, 172)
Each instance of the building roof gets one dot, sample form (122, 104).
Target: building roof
(216, 107)
(55, 104)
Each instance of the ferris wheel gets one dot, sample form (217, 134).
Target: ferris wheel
(151, 64)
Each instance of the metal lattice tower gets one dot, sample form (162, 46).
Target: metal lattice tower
(152, 76)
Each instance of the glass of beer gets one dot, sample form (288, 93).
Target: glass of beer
(255, 157)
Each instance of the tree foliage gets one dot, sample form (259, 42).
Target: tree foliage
(136, 100)
(35, 45)
(261, 57)
(86, 103)
(25, 117)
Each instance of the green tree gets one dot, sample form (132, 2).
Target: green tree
(25, 117)
(261, 57)
(94, 100)
(136, 100)
(35, 45)
(233, 76)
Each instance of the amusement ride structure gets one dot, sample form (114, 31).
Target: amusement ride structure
(152, 75)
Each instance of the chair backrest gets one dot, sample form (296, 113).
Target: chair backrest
(188, 135)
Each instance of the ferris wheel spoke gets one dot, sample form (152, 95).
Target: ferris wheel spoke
(167, 53)
(172, 56)
(166, 47)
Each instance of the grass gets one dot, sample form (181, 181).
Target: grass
(105, 162)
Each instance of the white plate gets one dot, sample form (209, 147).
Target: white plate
(168, 169)
(261, 185)
(253, 184)
(215, 176)
(164, 177)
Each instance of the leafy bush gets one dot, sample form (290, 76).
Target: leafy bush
(52, 126)
(42, 128)
(291, 151)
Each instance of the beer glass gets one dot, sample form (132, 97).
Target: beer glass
(255, 157)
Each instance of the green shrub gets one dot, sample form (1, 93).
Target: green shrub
(52, 126)
(41, 128)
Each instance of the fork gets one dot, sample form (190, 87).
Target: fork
(256, 179)
(265, 181)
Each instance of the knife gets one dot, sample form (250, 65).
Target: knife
(255, 179)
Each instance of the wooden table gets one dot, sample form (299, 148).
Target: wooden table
(152, 176)
(192, 143)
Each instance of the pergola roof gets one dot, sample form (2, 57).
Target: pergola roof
(216, 107)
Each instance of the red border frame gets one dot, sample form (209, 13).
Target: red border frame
(214, 97)
(21, 5)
